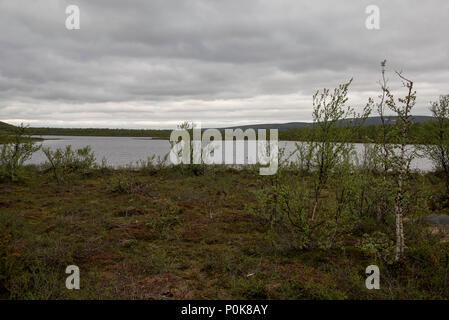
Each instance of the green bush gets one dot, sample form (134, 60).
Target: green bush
(377, 245)
(123, 183)
(62, 163)
(17, 149)
(152, 165)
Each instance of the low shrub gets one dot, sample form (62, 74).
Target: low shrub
(63, 163)
(15, 151)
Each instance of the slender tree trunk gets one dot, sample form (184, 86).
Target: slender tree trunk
(318, 187)
(400, 194)
(399, 220)
(403, 167)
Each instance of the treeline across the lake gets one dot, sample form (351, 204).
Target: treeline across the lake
(101, 132)
(365, 133)
(200, 231)
(419, 133)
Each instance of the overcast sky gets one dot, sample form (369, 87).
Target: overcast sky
(155, 63)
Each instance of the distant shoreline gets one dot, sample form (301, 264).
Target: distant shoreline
(293, 131)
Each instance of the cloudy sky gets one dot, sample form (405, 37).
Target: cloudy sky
(155, 63)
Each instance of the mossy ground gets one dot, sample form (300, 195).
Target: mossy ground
(167, 235)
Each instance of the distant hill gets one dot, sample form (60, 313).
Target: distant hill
(6, 126)
(298, 125)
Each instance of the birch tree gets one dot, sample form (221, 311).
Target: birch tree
(401, 156)
(328, 144)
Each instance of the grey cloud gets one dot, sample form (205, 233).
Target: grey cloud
(219, 61)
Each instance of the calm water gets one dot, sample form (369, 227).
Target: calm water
(123, 151)
(119, 151)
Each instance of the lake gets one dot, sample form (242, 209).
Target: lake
(123, 151)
